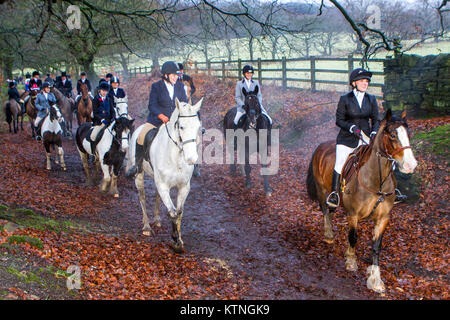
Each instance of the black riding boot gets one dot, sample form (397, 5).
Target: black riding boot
(22, 107)
(139, 158)
(333, 197)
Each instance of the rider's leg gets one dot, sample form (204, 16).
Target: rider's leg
(95, 131)
(239, 112)
(38, 130)
(342, 153)
(263, 111)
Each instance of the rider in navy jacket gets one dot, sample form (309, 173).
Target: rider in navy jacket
(160, 102)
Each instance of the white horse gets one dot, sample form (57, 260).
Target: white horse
(109, 152)
(172, 154)
(52, 135)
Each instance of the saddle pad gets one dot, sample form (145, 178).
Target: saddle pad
(147, 128)
(355, 160)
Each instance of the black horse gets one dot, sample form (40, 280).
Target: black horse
(253, 120)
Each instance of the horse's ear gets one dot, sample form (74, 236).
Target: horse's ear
(244, 91)
(198, 105)
(256, 90)
(404, 115)
(177, 103)
(388, 115)
(131, 122)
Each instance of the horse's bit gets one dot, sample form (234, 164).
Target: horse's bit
(117, 109)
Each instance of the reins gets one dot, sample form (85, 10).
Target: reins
(182, 142)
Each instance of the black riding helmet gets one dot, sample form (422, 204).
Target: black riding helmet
(46, 85)
(170, 67)
(114, 79)
(35, 73)
(11, 84)
(359, 74)
(248, 68)
(103, 85)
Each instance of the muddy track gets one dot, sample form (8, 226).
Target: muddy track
(214, 228)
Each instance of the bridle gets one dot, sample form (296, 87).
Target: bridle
(115, 138)
(258, 114)
(176, 126)
(117, 110)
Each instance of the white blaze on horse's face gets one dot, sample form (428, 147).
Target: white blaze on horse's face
(124, 139)
(188, 129)
(408, 162)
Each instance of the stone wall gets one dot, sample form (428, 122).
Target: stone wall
(419, 84)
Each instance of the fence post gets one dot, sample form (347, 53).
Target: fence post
(283, 73)
(239, 68)
(350, 64)
(313, 73)
(145, 70)
(223, 69)
(196, 66)
(208, 62)
(259, 71)
(140, 70)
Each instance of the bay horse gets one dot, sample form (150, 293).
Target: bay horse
(370, 192)
(253, 120)
(13, 112)
(109, 151)
(52, 135)
(30, 107)
(66, 106)
(84, 106)
(170, 162)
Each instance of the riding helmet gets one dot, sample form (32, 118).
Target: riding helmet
(170, 67)
(11, 83)
(248, 68)
(103, 85)
(115, 79)
(35, 73)
(359, 74)
(28, 76)
(63, 74)
(46, 85)
(109, 75)
(83, 73)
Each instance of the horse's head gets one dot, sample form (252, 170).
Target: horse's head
(121, 107)
(251, 106)
(396, 142)
(123, 127)
(55, 114)
(84, 89)
(188, 125)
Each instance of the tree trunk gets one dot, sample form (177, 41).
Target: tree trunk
(124, 64)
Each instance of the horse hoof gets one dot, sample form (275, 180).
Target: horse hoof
(116, 195)
(351, 266)
(177, 248)
(148, 233)
(64, 168)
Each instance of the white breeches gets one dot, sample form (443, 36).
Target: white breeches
(342, 153)
(240, 111)
(36, 121)
(95, 131)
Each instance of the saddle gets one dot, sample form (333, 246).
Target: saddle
(150, 135)
(97, 138)
(355, 160)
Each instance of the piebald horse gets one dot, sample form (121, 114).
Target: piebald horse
(52, 135)
(172, 155)
(109, 152)
(370, 193)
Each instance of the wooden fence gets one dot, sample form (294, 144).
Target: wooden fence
(287, 76)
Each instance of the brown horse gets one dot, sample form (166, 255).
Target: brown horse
(370, 192)
(66, 105)
(84, 106)
(30, 107)
(12, 113)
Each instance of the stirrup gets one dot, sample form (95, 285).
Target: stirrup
(331, 204)
(399, 197)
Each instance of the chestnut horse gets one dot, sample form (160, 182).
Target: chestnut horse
(30, 107)
(84, 106)
(13, 112)
(370, 192)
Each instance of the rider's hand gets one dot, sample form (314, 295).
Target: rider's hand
(163, 118)
(105, 122)
(357, 132)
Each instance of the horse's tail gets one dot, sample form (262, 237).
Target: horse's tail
(8, 112)
(311, 181)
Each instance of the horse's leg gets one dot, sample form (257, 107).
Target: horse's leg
(106, 177)
(139, 182)
(327, 223)
(157, 216)
(350, 254)
(374, 281)
(15, 124)
(85, 160)
(61, 157)
(113, 187)
(176, 223)
(48, 154)
(164, 193)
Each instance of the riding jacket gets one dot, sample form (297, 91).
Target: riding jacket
(87, 82)
(160, 100)
(351, 114)
(38, 82)
(43, 103)
(103, 110)
(65, 88)
(14, 94)
(240, 97)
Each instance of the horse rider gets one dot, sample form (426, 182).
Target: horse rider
(35, 81)
(187, 81)
(14, 94)
(44, 101)
(102, 109)
(115, 91)
(49, 79)
(249, 84)
(161, 105)
(64, 85)
(353, 113)
(27, 81)
(83, 80)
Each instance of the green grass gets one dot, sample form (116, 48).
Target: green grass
(35, 242)
(436, 140)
